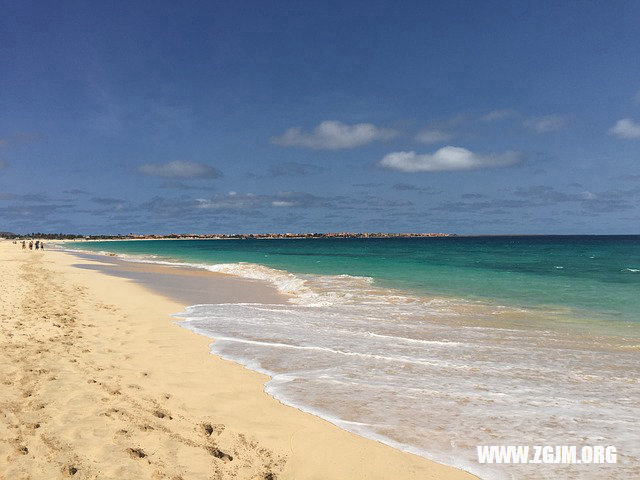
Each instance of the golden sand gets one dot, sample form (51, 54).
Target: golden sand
(97, 381)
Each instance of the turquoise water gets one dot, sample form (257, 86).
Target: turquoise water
(599, 274)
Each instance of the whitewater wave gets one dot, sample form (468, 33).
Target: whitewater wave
(407, 376)
(302, 289)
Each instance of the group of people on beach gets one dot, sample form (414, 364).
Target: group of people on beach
(39, 245)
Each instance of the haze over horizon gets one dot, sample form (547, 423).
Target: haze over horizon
(461, 117)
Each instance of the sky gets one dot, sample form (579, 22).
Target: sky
(375, 116)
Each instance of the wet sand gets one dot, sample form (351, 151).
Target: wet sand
(189, 286)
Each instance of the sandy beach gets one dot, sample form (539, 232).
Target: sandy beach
(99, 382)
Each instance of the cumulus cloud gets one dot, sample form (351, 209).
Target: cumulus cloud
(334, 135)
(179, 169)
(545, 123)
(496, 115)
(446, 158)
(433, 136)
(626, 128)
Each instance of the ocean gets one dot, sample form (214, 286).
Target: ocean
(437, 345)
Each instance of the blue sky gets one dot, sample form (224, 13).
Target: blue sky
(465, 117)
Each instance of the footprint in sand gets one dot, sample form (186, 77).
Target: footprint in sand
(209, 428)
(161, 414)
(136, 452)
(216, 452)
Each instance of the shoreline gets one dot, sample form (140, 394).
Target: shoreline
(581, 317)
(129, 368)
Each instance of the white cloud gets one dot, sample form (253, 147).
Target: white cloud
(546, 123)
(625, 128)
(495, 115)
(334, 135)
(179, 169)
(282, 203)
(433, 136)
(446, 158)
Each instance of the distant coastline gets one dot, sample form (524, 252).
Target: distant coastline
(223, 236)
(258, 236)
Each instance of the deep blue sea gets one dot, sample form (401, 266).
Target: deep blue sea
(437, 345)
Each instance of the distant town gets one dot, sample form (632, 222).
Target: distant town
(222, 236)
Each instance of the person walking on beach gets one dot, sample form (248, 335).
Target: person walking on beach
(31, 245)
(37, 244)
(41, 245)
(24, 244)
